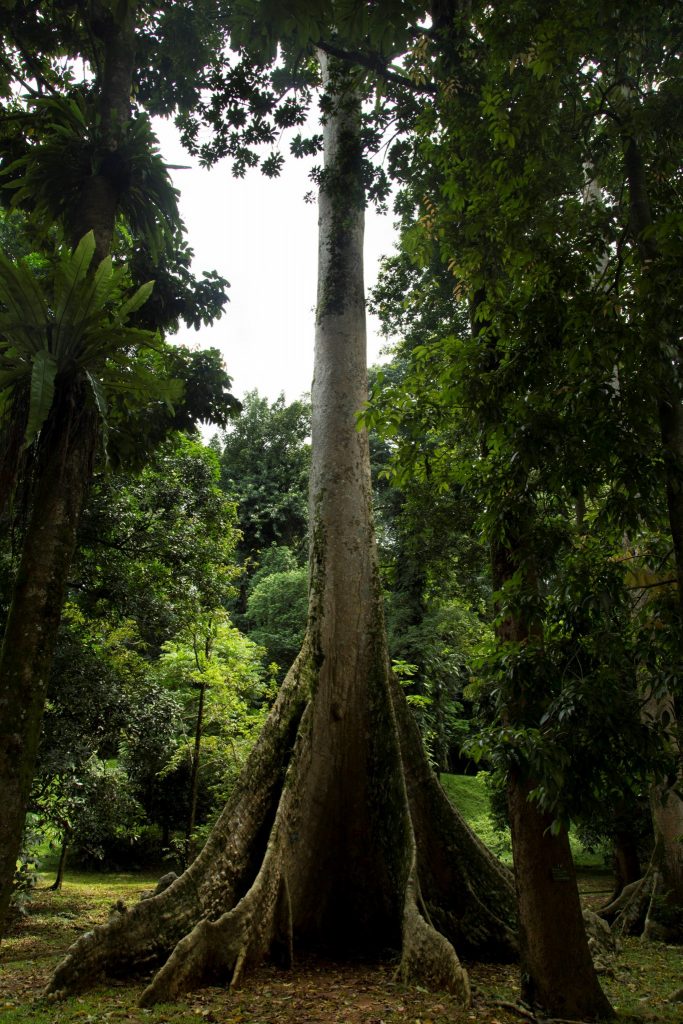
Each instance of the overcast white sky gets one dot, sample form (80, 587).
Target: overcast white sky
(262, 236)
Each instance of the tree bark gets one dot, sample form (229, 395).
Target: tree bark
(61, 866)
(558, 975)
(557, 972)
(322, 844)
(66, 453)
(66, 449)
(627, 869)
(194, 777)
(669, 402)
(664, 878)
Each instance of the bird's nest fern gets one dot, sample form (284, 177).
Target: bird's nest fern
(63, 147)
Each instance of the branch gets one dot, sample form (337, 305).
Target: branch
(521, 1011)
(648, 586)
(375, 63)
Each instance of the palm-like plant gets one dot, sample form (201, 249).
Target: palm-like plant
(75, 322)
(48, 176)
(58, 325)
(64, 340)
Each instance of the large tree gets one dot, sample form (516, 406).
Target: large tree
(79, 163)
(336, 832)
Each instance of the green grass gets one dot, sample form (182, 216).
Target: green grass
(470, 795)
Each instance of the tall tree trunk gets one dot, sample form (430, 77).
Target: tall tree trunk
(627, 869)
(66, 449)
(670, 398)
(63, 854)
(321, 842)
(557, 972)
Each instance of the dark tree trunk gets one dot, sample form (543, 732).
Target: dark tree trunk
(663, 882)
(322, 842)
(66, 453)
(194, 777)
(61, 867)
(558, 976)
(627, 868)
(66, 449)
(557, 973)
(670, 399)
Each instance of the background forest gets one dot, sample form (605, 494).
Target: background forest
(525, 428)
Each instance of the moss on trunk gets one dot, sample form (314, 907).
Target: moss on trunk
(318, 844)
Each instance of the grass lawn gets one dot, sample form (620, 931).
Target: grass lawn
(470, 796)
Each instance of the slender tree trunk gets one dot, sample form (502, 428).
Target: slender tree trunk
(665, 884)
(627, 868)
(67, 447)
(61, 866)
(194, 778)
(66, 450)
(669, 403)
(557, 972)
(664, 918)
(325, 841)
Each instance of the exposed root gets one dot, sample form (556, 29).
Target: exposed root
(428, 957)
(517, 1008)
(146, 934)
(642, 908)
(626, 914)
(233, 906)
(220, 950)
(470, 894)
(130, 940)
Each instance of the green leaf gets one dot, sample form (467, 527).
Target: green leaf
(101, 403)
(23, 323)
(70, 273)
(136, 300)
(42, 392)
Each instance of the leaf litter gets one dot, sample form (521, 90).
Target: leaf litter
(315, 991)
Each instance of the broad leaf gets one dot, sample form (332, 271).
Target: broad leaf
(22, 324)
(101, 403)
(136, 300)
(70, 273)
(42, 392)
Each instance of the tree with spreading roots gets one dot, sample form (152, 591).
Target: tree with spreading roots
(337, 835)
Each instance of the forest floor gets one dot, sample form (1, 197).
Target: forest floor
(639, 983)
